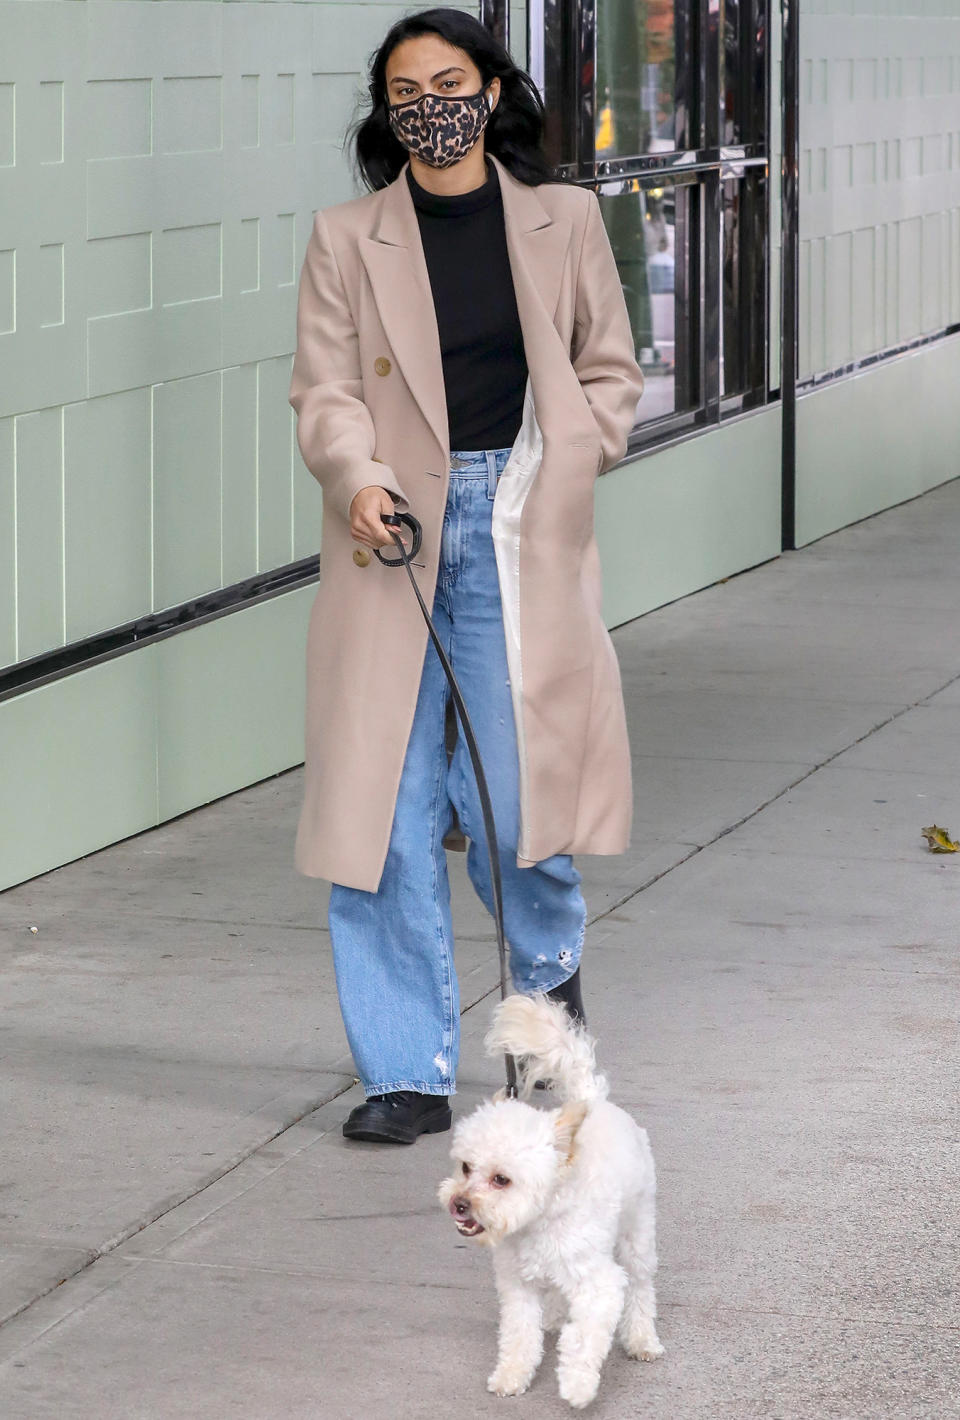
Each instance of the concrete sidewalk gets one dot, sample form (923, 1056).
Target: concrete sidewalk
(772, 973)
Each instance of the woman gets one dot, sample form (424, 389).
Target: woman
(464, 352)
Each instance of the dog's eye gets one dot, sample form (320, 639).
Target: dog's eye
(466, 1169)
(500, 1180)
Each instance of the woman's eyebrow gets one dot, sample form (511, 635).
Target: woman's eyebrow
(453, 69)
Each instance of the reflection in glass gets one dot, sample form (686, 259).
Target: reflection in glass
(560, 73)
(646, 227)
(636, 78)
(743, 69)
(744, 287)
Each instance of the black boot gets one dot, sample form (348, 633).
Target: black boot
(398, 1117)
(569, 993)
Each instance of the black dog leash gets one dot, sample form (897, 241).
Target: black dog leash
(393, 520)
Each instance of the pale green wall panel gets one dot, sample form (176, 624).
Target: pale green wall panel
(159, 191)
(107, 515)
(7, 127)
(879, 253)
(39, 493)
(8, 546)
(42, 202)
(186, 489)
(682, 518)
(153, 38)
(123, 350)
(189, 111)
(335, 101)
(66, 794)
(231, 701)
(877, 438)
(938, 428)
(160, 165)
(864, 280)
(328, 181)
(275, 463)
(118, 274)
(239, 490)
(119, 111)
(307, 506)
(839, 271)
(8, 275)
(152, 733)
(879, 176)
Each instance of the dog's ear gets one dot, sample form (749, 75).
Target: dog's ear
(567, 1122)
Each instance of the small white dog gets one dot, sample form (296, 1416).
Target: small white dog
(565, 1197)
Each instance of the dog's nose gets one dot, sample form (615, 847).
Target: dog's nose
(459, 1205)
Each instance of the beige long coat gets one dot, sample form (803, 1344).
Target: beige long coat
(367, 387)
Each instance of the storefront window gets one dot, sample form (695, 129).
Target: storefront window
(742, 329)
(743, 58)
(643, 224)
(636, 110)
(660, 107)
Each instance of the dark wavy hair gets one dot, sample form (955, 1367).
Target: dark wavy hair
(514, 131)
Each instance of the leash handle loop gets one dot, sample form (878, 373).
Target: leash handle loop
(397, 520)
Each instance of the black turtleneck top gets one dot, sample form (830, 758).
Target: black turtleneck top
(484, 365)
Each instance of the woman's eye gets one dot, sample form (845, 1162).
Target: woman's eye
(500, 1180)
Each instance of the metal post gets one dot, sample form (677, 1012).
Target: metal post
(789, 269)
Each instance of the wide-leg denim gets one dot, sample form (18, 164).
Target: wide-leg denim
(393, 949)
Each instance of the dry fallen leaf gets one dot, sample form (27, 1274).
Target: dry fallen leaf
(939, 840)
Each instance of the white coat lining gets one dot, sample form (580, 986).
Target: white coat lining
(513, 486)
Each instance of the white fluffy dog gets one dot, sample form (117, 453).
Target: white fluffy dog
(565, 1197)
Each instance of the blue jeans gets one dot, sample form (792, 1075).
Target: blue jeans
(393, 948)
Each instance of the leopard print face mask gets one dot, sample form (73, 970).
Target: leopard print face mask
(440, 129)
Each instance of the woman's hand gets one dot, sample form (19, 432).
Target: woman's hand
(365, 511)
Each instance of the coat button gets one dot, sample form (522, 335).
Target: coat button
(361, 556)
(382, 365)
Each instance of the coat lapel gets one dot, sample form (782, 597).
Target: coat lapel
(537, 245)
(393, 256)
(397, 268)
